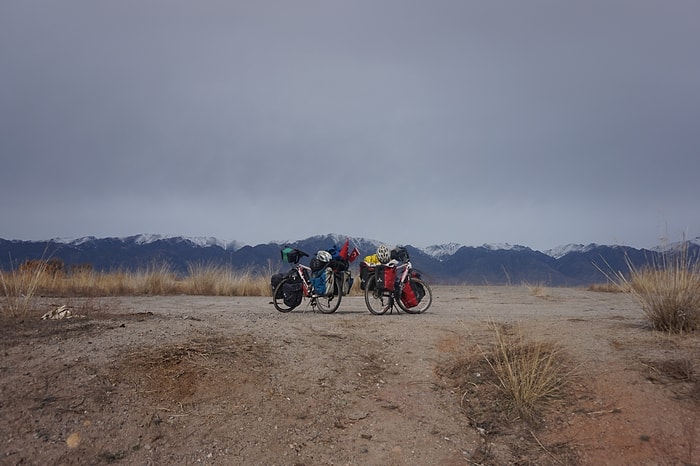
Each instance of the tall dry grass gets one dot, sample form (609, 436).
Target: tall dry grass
(668, 292)
(217, 280)
(530, 373)
(20, 287)
(538, 290)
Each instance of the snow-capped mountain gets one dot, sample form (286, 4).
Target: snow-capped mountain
(678, 245)
(451, 263)
(504, 247)
(440, 251)
(561, 251)
(147, 238)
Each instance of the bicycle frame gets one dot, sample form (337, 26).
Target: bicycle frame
(407, 267)
(304, 272)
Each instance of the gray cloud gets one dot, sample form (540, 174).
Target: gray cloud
(538, 123)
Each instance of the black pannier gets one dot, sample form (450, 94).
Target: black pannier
(275, 280)
(339, 265)
(345, 281)
(292, 292)
(366, 271)
(317, 264)
(400, 254)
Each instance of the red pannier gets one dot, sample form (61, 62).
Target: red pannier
(411, 294)
(385, 277)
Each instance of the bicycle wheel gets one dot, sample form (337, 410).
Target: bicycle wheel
(425, 301)
(278, 300)
(330, 304)
(378, 302)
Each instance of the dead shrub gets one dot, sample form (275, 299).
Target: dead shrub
(537, 290)
(668, 292)
(529, 373)
(20, 288)
(607, 287)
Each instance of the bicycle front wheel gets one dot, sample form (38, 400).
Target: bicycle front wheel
(378, 302)
(419, 287)
(330, 304)
(278, 298)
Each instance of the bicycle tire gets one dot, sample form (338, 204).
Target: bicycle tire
(279, 302)
(424, 303)
(378, 302)
(330, 304)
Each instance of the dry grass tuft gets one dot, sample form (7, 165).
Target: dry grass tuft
(607, 287)
(537, 289)
(20, 288)
(669, 292)
(218, 280)
(681, 370)
(529, 373)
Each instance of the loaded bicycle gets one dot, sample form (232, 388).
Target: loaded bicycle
(394, 283)
(323, 284)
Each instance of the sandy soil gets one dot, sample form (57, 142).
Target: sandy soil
(202, 380)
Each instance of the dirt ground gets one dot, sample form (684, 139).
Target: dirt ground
(223, 381)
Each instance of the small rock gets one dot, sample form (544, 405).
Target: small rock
(73, 440)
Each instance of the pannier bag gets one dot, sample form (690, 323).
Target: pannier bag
(345, 282)
(339, 265)
(317, 264)
(322, 281)
(400, 254)
(335, 253)
(412, 294)
(366, 271)
(293, 292)
(385, 277)
(290, 255)
(274, 282)
(337, 262)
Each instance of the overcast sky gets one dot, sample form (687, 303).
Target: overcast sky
(530, 122)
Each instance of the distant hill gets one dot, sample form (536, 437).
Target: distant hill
(572, 265)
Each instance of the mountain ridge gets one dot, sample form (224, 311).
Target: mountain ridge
(436, 250)
(451, 263)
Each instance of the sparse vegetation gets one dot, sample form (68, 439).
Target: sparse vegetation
(218, 280)
(509, 389)
(19, 287)
(23, 284)
(668, 292)
(537, 289)
(529, 372)
(607, 287)
(50, 278)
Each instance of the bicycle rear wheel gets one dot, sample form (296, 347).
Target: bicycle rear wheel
(424, 302)
(330, 304)
(278, 300)
(378, 302)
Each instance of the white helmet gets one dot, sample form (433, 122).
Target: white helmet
(383, 254)
(324, 256)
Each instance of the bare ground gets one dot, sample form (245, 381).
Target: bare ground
(202, 380)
